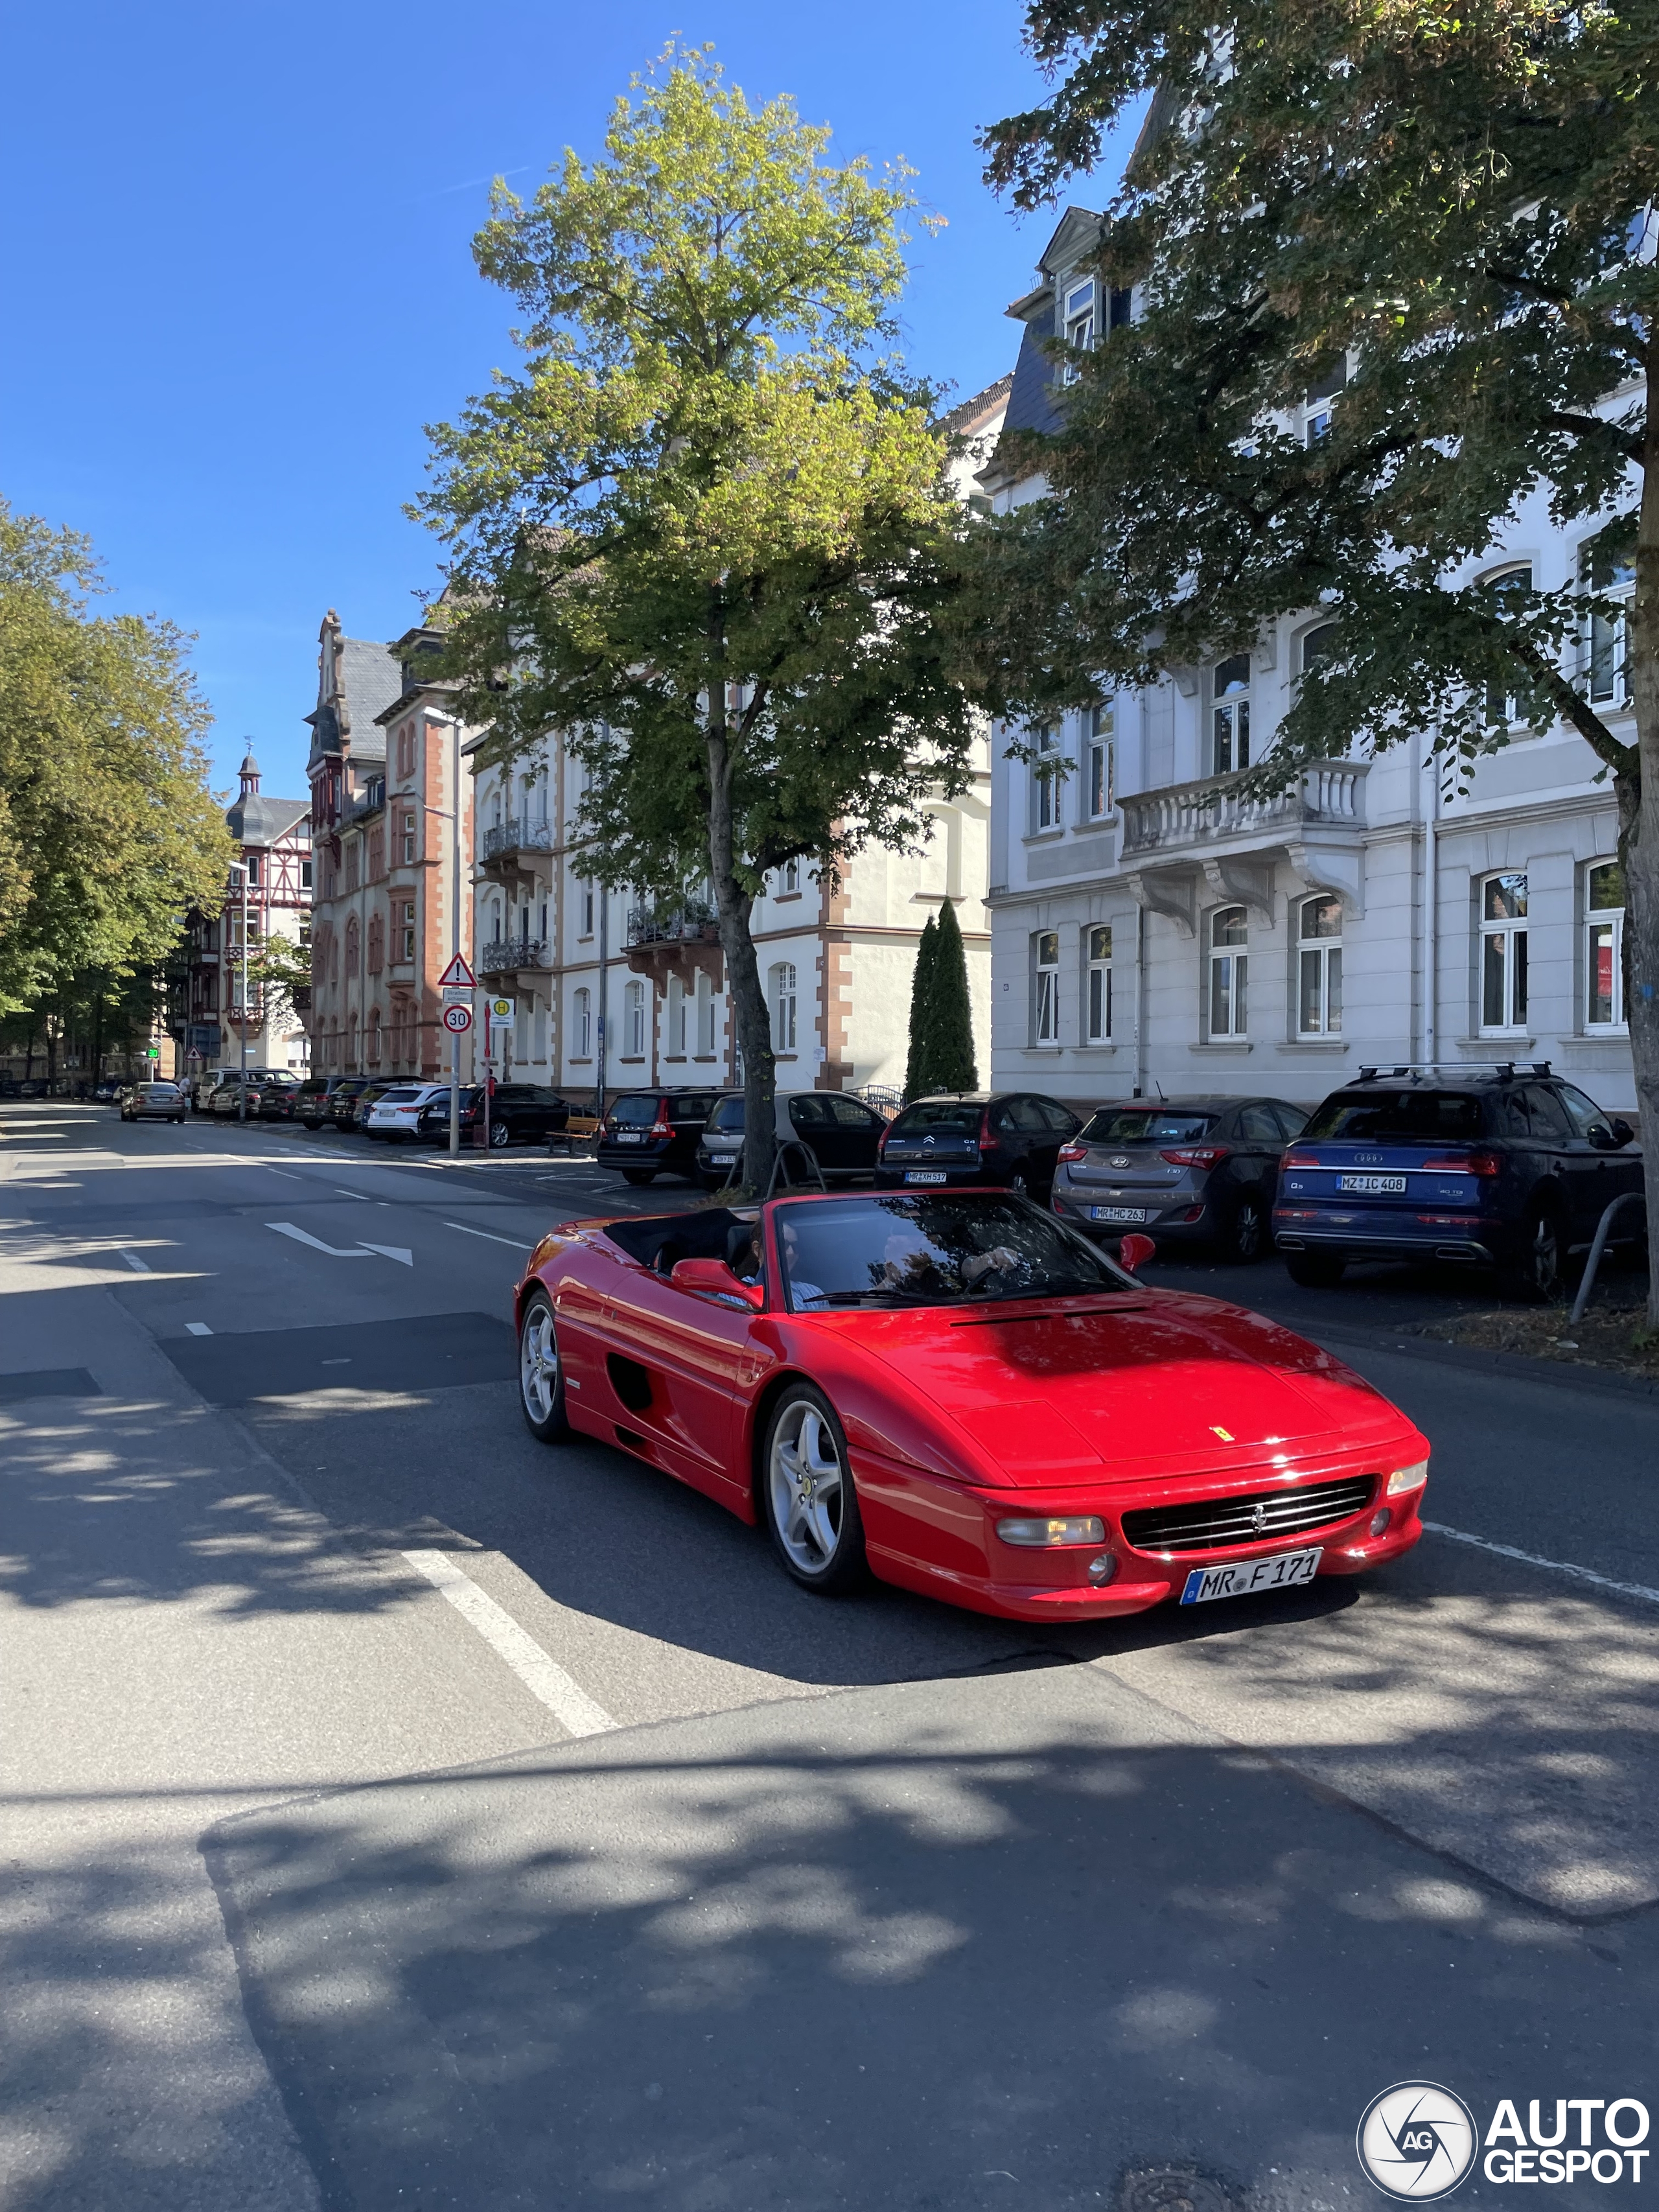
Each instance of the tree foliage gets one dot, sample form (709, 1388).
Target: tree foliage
(705, 530)
(918, 1066)
(952, 1025)
(108, 831)
(1451, 209)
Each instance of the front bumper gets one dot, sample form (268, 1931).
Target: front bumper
(940, 1539)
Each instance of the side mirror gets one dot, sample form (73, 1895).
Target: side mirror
(1622, 1132)
(1134, 1252)
(714, 1277)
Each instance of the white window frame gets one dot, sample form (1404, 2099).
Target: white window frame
(1502, 956)
(1319, 961)
(1046, 784)
(676, 1023)
(587, 929)
(1606, 645)
(1319, 408)
(1098, 982)
(1509, 718)
(1100, 764)
(410, 831)
(634, 1020)
(581, 1024)
(1078, 323)
(785, 1005)
(1045, 987)
(1607, 922)
(1230, 716)
(790, 887)
(705, 1016)
(1226, 976)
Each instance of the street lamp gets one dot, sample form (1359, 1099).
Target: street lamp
(239, 868)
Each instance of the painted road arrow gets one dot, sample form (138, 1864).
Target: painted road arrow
(343, 1251)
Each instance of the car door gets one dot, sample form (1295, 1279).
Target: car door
(858, 1128)
(1561, 1156)
(697, 1358)
(1043, 1125)
(810, 1125)
(1259, 1145)
(1617, 1168)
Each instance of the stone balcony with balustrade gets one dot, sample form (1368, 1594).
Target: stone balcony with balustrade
(511, 849)
(506, 958)
(1220, 833)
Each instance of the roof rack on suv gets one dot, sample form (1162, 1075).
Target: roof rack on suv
(1507, 1068)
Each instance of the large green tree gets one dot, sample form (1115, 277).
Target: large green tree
(705, 530)
(108, 831)
(1447, 210)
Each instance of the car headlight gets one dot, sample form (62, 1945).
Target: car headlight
(1080, 1528)
(1409, 1478)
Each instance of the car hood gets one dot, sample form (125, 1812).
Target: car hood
(1155, 1383)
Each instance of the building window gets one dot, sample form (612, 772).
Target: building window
(374, 1038)
(1080, 321)
(1317, 645)
(253, 861)
(676, 1018)
(353, 940)
(783, 1007)
(1045, 1010)
(409, 829)
(406, 930)
(1612, 577)
(587, 909)
(581, 1026)
(1100, 761)
(1045, 782)
(1228, 967)
(1319, 407)
(376, 945)
(1098, 985)
(1502, 707)
(1319, 978)
(1230, 747)
(1604, 947)
(634, 1021)
(705, 1018)
(791, 877)
(305, 875)
(1504, 952)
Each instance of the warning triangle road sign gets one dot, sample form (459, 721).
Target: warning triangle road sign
(457, 976)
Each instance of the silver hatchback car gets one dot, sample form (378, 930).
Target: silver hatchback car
(1191, 1171)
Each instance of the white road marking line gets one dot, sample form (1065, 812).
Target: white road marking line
(540, 1675)
(343, 1192)
(304, 1236)
(197, 1328)
(517, 1242)
(138, 1266)
(286, 1173)
(394, 1252)
(1554, 1566)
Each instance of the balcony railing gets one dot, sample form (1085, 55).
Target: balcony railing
(520, 836)
(695, 923)
(503, 955)
(1218, 806)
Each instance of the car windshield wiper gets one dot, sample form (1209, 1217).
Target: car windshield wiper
(887, 1297)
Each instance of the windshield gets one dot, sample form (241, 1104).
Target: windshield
(1404, 1116)
(932, 1248)
(401, 1096)
(955, 1114)
(1155, 1124)
(727, 1115)
(637, 1112)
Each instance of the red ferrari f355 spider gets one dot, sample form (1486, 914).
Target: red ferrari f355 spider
(953, 1391)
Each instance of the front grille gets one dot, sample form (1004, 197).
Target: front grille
(1207, 1523)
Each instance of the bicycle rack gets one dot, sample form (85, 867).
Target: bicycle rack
(1588, 1282)
(780, 1167)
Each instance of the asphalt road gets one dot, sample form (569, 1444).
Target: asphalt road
(400, 1814)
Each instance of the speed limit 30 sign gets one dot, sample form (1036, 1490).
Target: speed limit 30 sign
(458, 1019)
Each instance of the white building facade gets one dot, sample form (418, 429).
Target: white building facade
(1156, 929)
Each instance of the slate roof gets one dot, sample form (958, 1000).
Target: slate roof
(964, 416)
(358, 679)
(1030, 404)
(258, 821)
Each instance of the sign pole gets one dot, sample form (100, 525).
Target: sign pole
(487, 1072)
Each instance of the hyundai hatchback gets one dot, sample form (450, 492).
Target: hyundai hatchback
(1186, 1170)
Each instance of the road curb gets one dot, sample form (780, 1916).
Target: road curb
(1599, 1379)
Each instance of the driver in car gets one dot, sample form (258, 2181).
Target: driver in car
(805, 1295)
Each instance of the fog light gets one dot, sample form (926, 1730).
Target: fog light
(1380, 1520)
(1101, 1570)
(1081, 1528)
(1409, 1478)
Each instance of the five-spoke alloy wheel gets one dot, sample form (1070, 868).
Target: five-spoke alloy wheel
(811, 1506)
(541, 1376)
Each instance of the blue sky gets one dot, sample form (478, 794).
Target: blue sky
(237, 280)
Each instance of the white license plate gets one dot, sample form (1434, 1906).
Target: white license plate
(1373, 1185)
(630, 1137)
(722, 1159)
(924, 1175)
(1246, 1578)
(1117, 1213)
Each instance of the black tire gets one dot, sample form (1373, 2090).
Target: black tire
(309, 1123)
(1536, 1273)
(800, 1553)
(1315, 1271)
(1244, 1239)
(639, 1176)
(500, 1136)
(541, 1401)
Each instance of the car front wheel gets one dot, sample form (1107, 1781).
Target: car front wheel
(811, 1506)
(541, 1375)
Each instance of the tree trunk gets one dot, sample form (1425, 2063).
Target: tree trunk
(1638, 840)
(743, 976)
